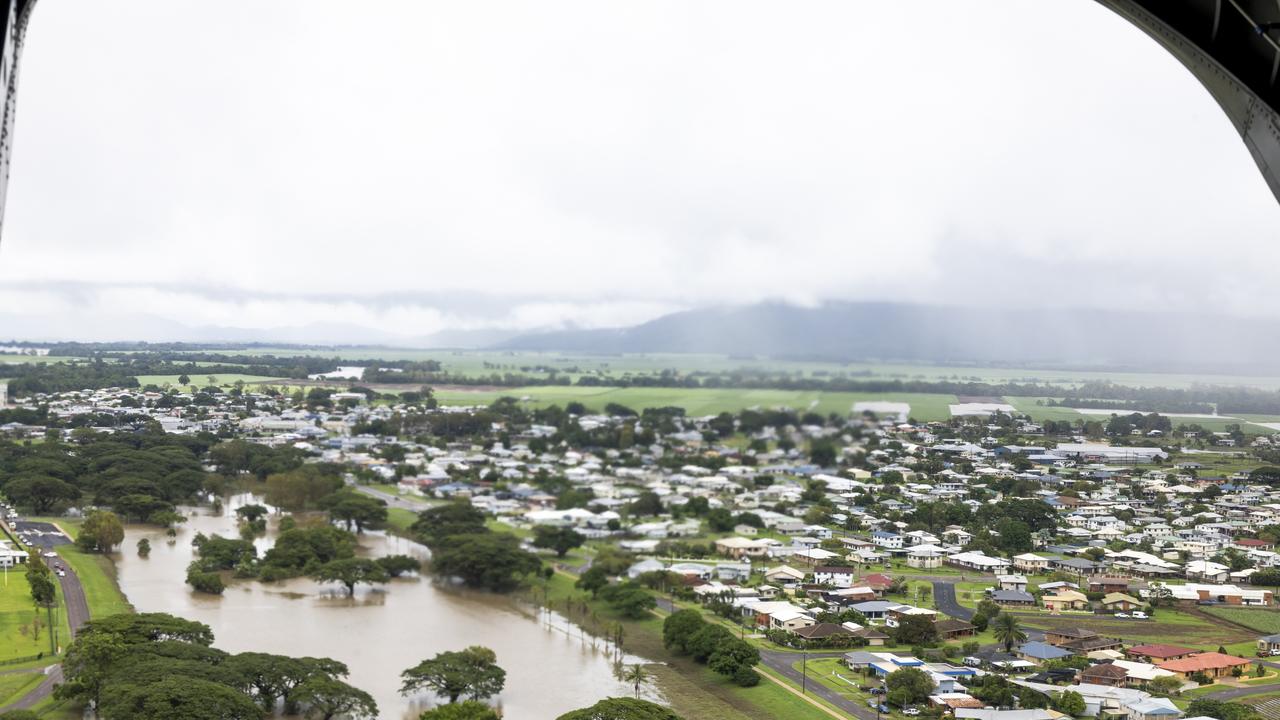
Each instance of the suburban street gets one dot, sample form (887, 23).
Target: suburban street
(395, 501)
(781, 663)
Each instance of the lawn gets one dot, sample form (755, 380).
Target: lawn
(1266, 622)
(18, 616)
(703, 401)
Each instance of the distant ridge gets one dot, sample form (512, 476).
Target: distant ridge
(875, 331)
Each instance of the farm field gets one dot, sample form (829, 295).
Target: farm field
(1168, 626)
(1266, 622)
(699, 401)
(484, 362)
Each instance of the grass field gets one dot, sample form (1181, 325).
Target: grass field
(18, 616)
(203, 380)
(14, 686)
(698, 401)
(1266, 622)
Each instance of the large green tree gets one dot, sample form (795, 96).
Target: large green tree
(489, 561)
(907, 686)
(350, 572)
(324, 698)
(102, 531)
(473, 672)
(558, 539)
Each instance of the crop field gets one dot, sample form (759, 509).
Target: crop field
(698, 401)
(1168, 626)
(1266, 622)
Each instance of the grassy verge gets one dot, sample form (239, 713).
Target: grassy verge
(13, 687)
(98, 578)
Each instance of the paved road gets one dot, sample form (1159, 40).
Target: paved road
(1240, 692)
(77, 615)
(944, 595)
(395, 501)
(781, 663)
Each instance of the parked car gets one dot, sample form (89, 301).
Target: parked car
(911, 711)
(1138, 614)
(972, 661)
(1121, 615)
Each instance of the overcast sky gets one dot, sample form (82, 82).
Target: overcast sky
(410, 167)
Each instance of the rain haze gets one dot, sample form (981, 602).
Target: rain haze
(307, 172)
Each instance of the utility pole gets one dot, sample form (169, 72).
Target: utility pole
(804, 669)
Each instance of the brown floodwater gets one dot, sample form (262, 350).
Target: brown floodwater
(551, 668)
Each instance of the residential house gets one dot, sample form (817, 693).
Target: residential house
(1269, 645)
(1038, 652)
(1065, 600)
(1119, 602)
(1157, 653)
(950, 629)
(1105, 674)
(1153, 708)
(842, 577)
(1212, 664)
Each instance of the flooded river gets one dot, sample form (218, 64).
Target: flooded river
(378, 633)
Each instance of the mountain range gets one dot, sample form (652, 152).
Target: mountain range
(878, 331)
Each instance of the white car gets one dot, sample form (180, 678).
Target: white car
(911, 711)
(49, 554)
(1121, 615)
(62, 573)
(1139, 615)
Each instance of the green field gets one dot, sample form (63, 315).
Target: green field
(1266, 622)
(224, 380)
(481, 362)
(698, 401)
(15, 686)
(18, 616)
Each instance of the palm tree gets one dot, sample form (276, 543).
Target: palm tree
(635, 675)
(1008, 631)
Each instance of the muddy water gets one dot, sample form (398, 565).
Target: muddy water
(379, 632)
